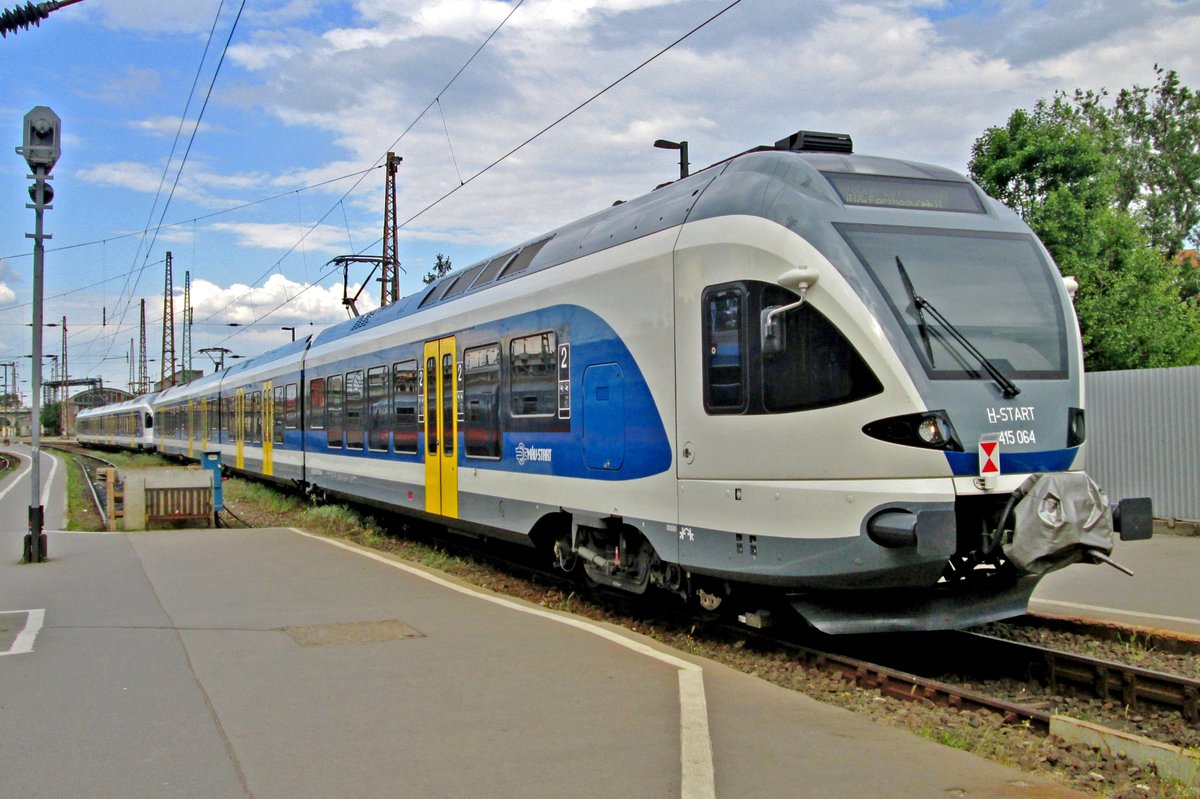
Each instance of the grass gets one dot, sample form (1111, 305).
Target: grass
(81, 511)
(8, 465)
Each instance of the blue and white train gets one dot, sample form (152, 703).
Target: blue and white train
(849, 381)
(125, 425)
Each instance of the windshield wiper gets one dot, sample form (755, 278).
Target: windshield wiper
(912, 295)
(1007, 387)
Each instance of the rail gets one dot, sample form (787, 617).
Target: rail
(1102, 678)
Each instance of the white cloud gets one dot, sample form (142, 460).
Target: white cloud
(196, 184)
(170, 126)
(284, 236)
(296, 302)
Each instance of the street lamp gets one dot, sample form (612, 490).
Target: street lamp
(681, 146)
(41, 146)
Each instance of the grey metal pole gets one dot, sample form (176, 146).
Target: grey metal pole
(35, 549)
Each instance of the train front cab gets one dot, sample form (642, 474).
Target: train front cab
(828, 432)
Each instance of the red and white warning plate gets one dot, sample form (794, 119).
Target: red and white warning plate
(989, 457)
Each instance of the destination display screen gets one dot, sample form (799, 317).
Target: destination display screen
(916, 193)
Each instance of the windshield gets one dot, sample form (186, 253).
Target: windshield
(994, 287)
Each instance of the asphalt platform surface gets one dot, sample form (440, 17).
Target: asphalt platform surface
(274, 663)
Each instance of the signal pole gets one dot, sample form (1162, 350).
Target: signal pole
(41, 147)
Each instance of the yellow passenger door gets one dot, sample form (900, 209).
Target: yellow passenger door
(239, 431)
(441, 427)
(268, 429)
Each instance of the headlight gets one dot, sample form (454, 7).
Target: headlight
(929, 430)
(933, 431)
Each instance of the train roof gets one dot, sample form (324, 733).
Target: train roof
(146, 400)
(288, 350)
(799, 169)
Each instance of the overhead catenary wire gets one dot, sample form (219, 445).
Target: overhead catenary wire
(191, 221)
(562, 118)
(125, 292)
(187, 151)
(527, 141)
(379, 161)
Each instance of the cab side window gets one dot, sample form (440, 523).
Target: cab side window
(725, 348)
(762, 356)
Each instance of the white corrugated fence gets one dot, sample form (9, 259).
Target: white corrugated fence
(1143, 437)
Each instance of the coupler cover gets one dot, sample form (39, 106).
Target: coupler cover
(1062, 518)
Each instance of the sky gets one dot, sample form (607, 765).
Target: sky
(246, 138)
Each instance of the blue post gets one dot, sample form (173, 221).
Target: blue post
(212, 462)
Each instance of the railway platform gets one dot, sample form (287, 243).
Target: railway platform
(272, 663)
(1160, 596)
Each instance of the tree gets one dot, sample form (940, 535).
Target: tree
(1059, 168)
(1153, 135)
(440, 267)
(51, 417)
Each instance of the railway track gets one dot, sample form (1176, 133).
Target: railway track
(943, 666)
(89, 464)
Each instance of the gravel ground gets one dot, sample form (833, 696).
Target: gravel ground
(1083, 767)
(1132, 649)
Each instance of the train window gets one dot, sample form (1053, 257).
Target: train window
(464, 282)
(291, 406)
(354, 409)
(815, 366)
(524, 258)
(481, 398)
(448, 405)
(378, 400)
(493, 268)
(440, 291)
(725, 349)
(996, 288)
(533, 373)
(277, 416)
(255, 414)
(333, 411)
(431, 405)
(316, 403)
(404, 407)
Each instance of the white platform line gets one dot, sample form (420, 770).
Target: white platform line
(1115, 611)
(50, 479)
(27, 465)
(23, 644)
(695, 742)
